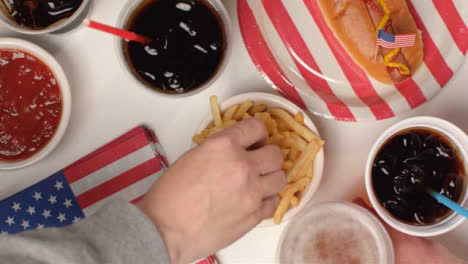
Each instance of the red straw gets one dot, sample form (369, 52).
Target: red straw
(117, 31)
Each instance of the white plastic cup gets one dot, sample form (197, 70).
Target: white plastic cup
(329, 222)
(221, 11)
(460, 141)
(66, 25)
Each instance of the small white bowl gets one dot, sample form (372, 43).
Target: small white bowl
(47, 59)
(457, 137)
(278, 101)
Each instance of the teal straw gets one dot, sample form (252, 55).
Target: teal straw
(448, 203)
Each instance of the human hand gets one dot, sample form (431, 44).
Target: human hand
(411, 250)
(216, 192)
(414, 250)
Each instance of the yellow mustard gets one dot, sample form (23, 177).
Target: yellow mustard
(384, 19)
(389, 63)
(387, 60)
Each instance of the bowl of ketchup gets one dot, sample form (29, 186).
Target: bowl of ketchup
(35, 103)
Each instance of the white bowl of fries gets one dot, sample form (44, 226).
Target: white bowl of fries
(291, 129)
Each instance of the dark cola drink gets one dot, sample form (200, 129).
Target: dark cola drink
(409, 163)
(187, 48)
(39, 14)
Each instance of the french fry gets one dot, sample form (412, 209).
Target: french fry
(295, 201)
(287, 140)
(230, 112)
(228, 123)
(310, 171)
(261, 116)
(270, 124)
(299, 118)
(306, 157)
(283, 192)
(197, 139)
(293, 124)
(293, 154)
(282, 142)
(214, 130)
(287, 165)
(215, 111)
(246, 115)
(286, 189)
(275, 139)
(275, 129)
(282, 126)
(243, 108)
(286, 199)
(300, 144)
(257, 108)
(285, 152)
(306, 171)
(210, 125)
(204, 133)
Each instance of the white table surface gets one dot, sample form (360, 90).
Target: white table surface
(107, 103)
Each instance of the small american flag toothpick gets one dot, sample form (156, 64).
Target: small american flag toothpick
(391, 41)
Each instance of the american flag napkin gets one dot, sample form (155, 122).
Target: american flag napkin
(123, 169)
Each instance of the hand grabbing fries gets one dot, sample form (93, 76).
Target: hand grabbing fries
(299, 145)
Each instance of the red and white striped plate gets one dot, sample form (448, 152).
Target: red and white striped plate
(291, 44)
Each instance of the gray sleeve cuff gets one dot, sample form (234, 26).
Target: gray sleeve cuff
(118, 233)
(124, 234)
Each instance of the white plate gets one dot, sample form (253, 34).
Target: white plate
(46, 58)
(277, 101)
(297, 53)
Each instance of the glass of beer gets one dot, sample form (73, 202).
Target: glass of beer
(335, 233)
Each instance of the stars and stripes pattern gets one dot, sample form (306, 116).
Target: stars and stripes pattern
(292, 45)
(123, 169)
(48, 203)
(392, 41)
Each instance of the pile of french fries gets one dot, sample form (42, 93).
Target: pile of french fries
(298, 144)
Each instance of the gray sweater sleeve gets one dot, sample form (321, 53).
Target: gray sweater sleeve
(119, 233)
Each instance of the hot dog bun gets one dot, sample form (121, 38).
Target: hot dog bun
(352, 24)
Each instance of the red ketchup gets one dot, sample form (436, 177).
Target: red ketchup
(30, 105)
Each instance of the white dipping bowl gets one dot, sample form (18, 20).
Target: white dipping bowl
(54, 66)
(278, 101)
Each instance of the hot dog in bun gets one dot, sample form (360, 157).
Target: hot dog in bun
(356, 24)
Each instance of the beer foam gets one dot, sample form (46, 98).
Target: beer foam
(334, 235)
